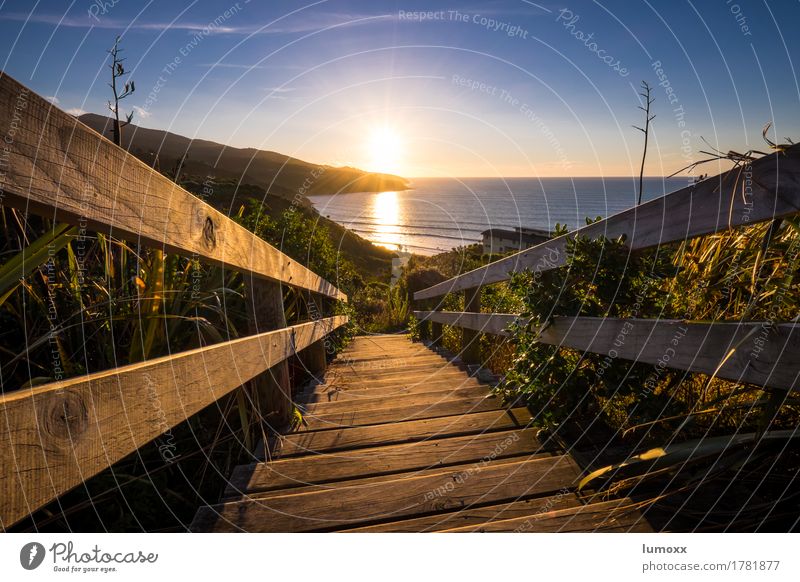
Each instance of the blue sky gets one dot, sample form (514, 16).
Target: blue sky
(509, 88)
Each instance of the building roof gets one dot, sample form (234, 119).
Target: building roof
(516, 235)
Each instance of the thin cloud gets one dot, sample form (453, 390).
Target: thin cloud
(305, 23)
(76, 111)
(143, 113)
(246, 67)
(53, 99)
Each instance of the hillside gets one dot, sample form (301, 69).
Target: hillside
(280, 174)
(276, 180)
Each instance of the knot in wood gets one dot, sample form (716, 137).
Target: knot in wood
(65, 416)
(209, 233)
(447, 503)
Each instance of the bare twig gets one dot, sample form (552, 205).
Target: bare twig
(117, 71)
(648, 101)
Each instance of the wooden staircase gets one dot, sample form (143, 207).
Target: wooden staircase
(398, 438)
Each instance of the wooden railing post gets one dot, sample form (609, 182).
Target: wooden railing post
(471, 339)
(271, 391)
(425, 327)
(314, 358)
(435, 326)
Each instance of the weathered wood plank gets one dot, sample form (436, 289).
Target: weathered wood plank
(378, 340)
(390, 500)
(765, 355)
(367, 416)
(327, 393)
(56, 436)
(369, 482)
(385, 362)
(394, 400)
(414, 374)
(323, 441)
(380, 461)
(719, 203)
(475, 515)
(454, 378)
(60, 168)
(491, 323)
(619, 515)
(390, 352)
(451, 374)
(381, 373)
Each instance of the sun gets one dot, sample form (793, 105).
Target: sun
(385, 150)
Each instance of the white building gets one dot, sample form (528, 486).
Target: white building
(498, 241)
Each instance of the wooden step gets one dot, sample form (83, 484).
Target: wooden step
(367, 344)
(475, 515)
(391, 414)
(398, 400)
(333, 509)
(420, 372)
(398, 438)
(370, 482)
(392, 358)
(384, 364)
(409, 380)
(379, 461)
(619, 515)
(325, 441)
(328, 393)
(391, 353)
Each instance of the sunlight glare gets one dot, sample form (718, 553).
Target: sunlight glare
(385, 150)
(387, 215)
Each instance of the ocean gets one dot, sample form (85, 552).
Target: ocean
(439, 214)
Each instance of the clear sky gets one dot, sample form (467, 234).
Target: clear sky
(507, 88)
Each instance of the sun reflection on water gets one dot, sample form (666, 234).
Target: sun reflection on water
(386, 209)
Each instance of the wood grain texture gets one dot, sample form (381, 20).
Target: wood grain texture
(402, 432)
(390, 500)
(411, 376)
(402, 368)
(713, 205)
(61, 169)
(379, 461)
(474, 515)
(395, 400)
(385, 362)
(619, 515)
(370, 481)
(367, 416)
(56, 436)
(764, 355)
(334, 393)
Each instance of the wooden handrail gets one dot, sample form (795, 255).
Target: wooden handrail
(771, 189)
(54, 437)
(62, 169)
(762, 354)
